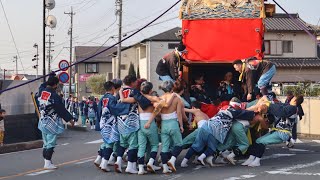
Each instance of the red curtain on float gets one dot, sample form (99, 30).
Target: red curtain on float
(222, 40)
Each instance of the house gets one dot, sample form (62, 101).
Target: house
(100, 64)
(292, 50)
(146, 54)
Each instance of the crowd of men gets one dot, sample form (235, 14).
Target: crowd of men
(134, 120)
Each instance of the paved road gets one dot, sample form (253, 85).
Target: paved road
(77, 150)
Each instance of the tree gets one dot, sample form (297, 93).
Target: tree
(138, 73)
(95, 83)
(131, 70)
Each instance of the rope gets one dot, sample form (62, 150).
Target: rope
(28, 82)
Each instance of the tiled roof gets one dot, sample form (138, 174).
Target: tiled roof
(295, 62)
(282, 22)
(165, 36)
(82, 52)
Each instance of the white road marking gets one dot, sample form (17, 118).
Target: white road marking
(64, 144)
(38, 173)
(300, 174)
(298, 166)
(82, 162)
(197, 168)
(317, 141)
(99, 141)
(298, 150)
(274, 156)
(242, 177)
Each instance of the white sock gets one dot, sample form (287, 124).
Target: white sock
(119, 159)
(201, 157)
(184, 162)
(249, 160)
(173, 159)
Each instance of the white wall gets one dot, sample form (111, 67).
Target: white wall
(303, 44)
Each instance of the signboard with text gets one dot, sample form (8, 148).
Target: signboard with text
(64, 65)
(84, 77)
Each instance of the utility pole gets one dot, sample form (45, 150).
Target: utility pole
(44, 40)
(71, 14)
(119, 13)
(49, 51)
(4, 74)
(16, 61)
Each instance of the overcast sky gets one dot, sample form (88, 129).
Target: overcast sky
(94, 23)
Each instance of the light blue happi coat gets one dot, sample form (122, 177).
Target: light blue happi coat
(108, 125)
(129, 123)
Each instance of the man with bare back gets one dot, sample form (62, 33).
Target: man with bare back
(171, 128)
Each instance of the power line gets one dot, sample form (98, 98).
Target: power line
(14, 42)
(83, 60)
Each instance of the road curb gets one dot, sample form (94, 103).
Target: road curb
(7, 148)
(309, 136)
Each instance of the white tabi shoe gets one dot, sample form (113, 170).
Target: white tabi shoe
(172, 164)
(141, 170)
(111, 160)
(157, 168)
(104, 165)
(97, 162)
(225, 154)
(130, 169)
(166, 169)
(290, 143)
(134, 166)
(201, 159)
(184, 163)
(150, 166)
(117, 165)
(48, 165)
(248, 161)
(255, 163)
(209, 160)
(230, 158)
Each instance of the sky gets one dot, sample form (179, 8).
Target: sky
(94, 23)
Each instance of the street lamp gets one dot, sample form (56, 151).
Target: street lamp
(36, 58)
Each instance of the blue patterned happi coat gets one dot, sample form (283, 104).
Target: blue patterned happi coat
(108, 110)
(220, 124)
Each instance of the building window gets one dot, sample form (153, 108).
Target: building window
(287, 46)
(172, 45)
(88, 90)
(276, 48)
(92, 68)
(267, 47)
